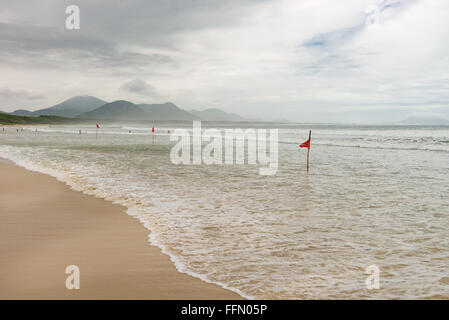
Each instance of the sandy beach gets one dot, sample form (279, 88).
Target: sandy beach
(45, 226)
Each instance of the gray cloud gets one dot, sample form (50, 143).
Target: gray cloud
(7, 93)
(305, 60)
(139, 86)
(60, 49)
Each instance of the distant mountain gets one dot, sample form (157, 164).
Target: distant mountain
(72, 107)
(87, 107)
(166, 111)
(125, 110)
(282, 120)
(117, 110)
(6, 118)
(23, 112)
(216, 115)
(425, 120)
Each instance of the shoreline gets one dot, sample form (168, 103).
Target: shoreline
(46, 226)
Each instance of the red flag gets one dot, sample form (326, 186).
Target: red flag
(305, 144)
(98, 126)
(152, 129)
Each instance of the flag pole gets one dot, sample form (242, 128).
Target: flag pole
(308, 149)
(152, 130)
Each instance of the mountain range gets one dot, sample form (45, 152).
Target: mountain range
(425, 120)
(88, 107)
(70, 108)
(217, 115)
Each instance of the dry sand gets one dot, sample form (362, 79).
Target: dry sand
(45, 226)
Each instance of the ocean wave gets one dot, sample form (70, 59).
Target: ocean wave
(292, 235)
(443, 148)
(132, 209)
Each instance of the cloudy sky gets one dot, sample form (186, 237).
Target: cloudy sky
(303, 60)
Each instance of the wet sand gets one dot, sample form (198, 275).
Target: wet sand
(45, 226)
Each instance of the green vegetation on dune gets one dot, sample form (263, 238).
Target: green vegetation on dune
(11, 119)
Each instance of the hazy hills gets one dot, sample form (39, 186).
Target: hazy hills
(87, 107)
(12, 119)
(425, 120)
(70, 108)
(216, 115)
(23, 113)
(117, 110)
(92, 108)
(125, 110)
(167, 111)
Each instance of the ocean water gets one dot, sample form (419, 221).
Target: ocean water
(375, 195)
